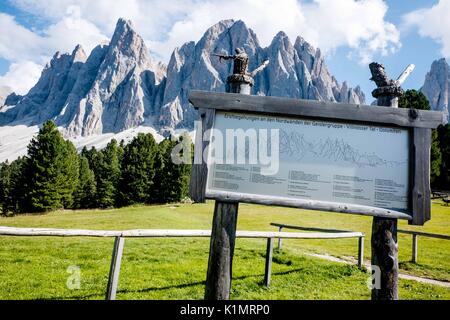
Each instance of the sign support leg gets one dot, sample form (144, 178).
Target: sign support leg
(223, 236)
(384, 230)
(385, 259)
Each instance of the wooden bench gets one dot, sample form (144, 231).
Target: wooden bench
(446, 200)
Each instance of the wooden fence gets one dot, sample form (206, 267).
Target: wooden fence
(120, 236)
(360, 237)
(415, 240)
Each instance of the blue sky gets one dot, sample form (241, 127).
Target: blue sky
(421, 51)
(351, 33)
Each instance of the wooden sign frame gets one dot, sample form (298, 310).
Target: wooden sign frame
(418, 122)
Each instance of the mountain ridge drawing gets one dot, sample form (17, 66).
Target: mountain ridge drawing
(294, 144)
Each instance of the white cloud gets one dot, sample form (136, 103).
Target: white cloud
(434, 23)
(20, 43)
(71, 30)
(28, 51)
(359, 25)
(329, 24)
(21, 76)
(17, 42)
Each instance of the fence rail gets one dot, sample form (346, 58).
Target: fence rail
(354, 234)
(171, 233)
(415, 240)
(120, 236)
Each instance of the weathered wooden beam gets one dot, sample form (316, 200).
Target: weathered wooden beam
(298, 235)
(114, 271)
(169, 233)
(268, 266)
(384, 231)
(316, 109)
(12, 231)
(199, 171)
(425, 234)
(385, 257)
(307, 204)
(223, 235)
(288, 226)
(162, 233)
(421, 192)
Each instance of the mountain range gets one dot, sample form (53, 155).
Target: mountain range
(119, 86)
(119, 89)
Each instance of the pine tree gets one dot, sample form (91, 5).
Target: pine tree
(12, 186)
(413, 99)
(443, 180)
(18, 198)
(435, 157)
(417, 100)
(89, 155)
(85, 193)
(52, 169)
(106, 167)
(160, 193)
(173, 177)
(69, 174)
(5, 184)
(136, 181)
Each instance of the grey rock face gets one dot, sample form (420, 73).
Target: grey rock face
(192, 67)
(12, 99)
(47, 98)
(295, 71)
(5, 92)
(122, 82)
(115, 89)
(119, 86)
(436, 87)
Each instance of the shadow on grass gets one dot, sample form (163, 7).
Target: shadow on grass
(177, 286)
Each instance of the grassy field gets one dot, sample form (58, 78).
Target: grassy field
(36, 268)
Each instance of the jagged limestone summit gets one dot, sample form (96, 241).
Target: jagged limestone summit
(437, 86)
(119, 86)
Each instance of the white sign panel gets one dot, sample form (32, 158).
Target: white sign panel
(309, 159)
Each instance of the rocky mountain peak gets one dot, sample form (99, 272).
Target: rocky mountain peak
(280, 36)
(305, 51)
(440, 64)
(78, 54)
(437, 86)
(126, 44)
(4, 93)
(119, 86)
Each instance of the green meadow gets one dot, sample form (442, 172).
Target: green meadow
(175, 268)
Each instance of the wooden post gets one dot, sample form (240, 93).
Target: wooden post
(385, 257)
(360, 252)
(414, 247)
(384, 230)
(114, 271)
(280, 241)
(268, 268)
(223, 236)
